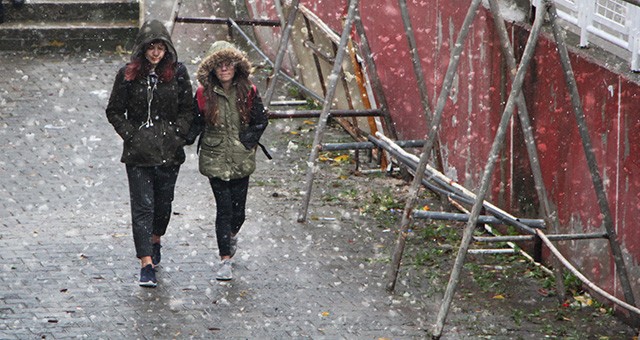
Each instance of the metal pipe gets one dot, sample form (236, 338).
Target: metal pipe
(491, 251)
(226, 21)
(324, 116)
(469, 197)
(439, 215)
(317, 113)
(487, 174)
(367, 145)
(556, 237)
(264, 56)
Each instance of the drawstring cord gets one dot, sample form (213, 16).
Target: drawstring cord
(152, 82)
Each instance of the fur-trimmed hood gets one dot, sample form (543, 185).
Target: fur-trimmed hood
(154, 30)
(222, 52)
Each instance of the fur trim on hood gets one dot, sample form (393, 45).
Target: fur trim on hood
(150, 31)
(222, 52)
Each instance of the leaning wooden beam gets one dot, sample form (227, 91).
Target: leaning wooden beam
(317, 113)
(324, 116)
(394, 266)
(282, 48)
(587, 145)
(488, 172)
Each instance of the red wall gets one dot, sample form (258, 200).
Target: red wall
(474, 108)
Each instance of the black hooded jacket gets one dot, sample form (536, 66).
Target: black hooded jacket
(153, 134)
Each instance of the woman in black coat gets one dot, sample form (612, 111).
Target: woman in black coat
(151, 108)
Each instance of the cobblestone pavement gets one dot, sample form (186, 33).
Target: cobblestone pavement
(67, 263)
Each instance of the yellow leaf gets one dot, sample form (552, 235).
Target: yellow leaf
(293, 132)
(56, 43)
(341, 158)
(309, 122)
(426, 208)
(499, 297)
(325, 313)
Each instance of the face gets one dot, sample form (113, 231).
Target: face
(155, 52)
(225, 72)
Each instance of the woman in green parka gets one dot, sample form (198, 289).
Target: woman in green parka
(234, 120)
(151, 107)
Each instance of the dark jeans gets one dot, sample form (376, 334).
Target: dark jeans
(151, 194)
(231, 198)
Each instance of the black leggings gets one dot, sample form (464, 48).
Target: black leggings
(231, 197)
(151, 194)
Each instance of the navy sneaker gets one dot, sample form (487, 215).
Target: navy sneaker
(148, 277)
(155, 258)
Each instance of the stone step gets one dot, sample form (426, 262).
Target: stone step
(73, 10)
(70, 25)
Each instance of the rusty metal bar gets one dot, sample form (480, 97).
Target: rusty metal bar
(318, 113)
(324, 115)
(587, 145)
(282, 49)
(486, 177)
(394, 266)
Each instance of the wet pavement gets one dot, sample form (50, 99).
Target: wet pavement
(67, 262)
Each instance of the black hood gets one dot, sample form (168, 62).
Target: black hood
(150, 31)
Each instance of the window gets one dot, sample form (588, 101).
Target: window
(611, 24)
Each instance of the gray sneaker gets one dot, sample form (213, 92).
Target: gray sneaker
(233, 245)
(224, 273)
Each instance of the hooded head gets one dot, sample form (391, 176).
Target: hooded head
(152, 31)
(223, 52)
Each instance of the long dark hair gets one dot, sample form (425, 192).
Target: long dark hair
(139, 66)
(243, 87)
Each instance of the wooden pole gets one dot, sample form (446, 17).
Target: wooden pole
(548, 211)
(392, 273)
(376, 84)
(282, 48)
(324, 116)
(587, 145)
(486, 176)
